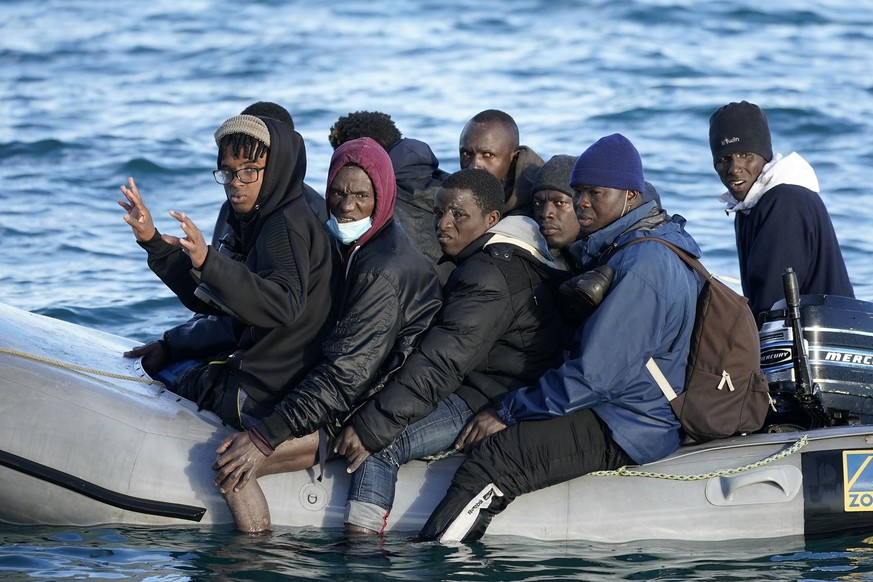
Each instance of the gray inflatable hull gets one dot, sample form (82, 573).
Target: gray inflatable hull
(82, 444)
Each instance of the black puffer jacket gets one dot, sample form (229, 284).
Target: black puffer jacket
(278, 291)
(391, 295)
(498, 330)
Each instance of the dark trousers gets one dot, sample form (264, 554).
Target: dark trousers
(213, 387)
(522, 458)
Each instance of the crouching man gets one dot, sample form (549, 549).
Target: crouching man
(601, 409)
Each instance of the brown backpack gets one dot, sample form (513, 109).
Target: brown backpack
(725, 390)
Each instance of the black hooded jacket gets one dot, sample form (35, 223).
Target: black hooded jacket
(499, 329)
(274, 298)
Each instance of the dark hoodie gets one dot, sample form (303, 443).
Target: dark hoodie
(418, 178)
(523, 174)
(391, 294)
(273, 299)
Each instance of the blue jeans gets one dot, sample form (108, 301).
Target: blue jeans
(371, 493)
(170, 374)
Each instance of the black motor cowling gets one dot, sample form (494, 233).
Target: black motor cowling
(838, 339)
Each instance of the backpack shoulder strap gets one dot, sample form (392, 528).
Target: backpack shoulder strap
(690, 260)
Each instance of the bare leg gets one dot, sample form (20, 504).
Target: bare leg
(356, 530)
(249, 506)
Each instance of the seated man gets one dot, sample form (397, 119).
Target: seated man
(225, 241)
(553, 207)
(490, 141)
(601, 409)
(416, 169)
(273, 300)
(497, 330)
(780, 220)
(391, 293)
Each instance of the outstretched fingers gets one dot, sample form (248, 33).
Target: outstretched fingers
(193, 243)
(130, 191)
(138, 216)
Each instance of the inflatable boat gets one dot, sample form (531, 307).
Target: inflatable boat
(88, 438)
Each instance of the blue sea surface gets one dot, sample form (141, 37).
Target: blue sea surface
(93, 91)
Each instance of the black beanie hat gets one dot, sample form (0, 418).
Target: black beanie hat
(739, 127)
(555, 175)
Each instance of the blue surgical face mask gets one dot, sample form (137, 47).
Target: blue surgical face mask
(349, 232)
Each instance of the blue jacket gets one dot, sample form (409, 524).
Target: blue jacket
(649, 312)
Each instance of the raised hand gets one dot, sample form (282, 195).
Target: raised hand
(193, 243)
(138, 216)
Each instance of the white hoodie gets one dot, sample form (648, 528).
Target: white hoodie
(791, 169)
(523, 232)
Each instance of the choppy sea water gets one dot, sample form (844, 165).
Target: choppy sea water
(196, 554)
(94, 91)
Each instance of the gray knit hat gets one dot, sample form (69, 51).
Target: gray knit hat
(555, 175)
(245, 124)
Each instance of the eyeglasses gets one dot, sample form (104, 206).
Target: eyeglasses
(244, 175)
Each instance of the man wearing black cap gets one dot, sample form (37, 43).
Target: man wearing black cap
(780, 219)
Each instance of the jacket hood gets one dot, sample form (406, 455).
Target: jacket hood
(646, 220)
(527, 164)
(791, 169)
(283, 181)
(414, 162)
(373, 159)
(523, 232)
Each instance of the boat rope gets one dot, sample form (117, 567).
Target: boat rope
(439, 456)
(60, 364)
(625, 472)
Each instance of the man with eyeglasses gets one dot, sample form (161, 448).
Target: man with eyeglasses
(223, 238)
(271, 302)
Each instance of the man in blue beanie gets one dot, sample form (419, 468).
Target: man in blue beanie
(601, 409)
(780, 220)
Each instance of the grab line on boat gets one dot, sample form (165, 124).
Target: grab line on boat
(60, 364)
(101, 494)
(625, 472)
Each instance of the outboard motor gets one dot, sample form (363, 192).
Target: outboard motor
(817, 354)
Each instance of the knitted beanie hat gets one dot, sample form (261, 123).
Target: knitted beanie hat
(245, 124)
(611, 162)
(555, 175)
(739, 127)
